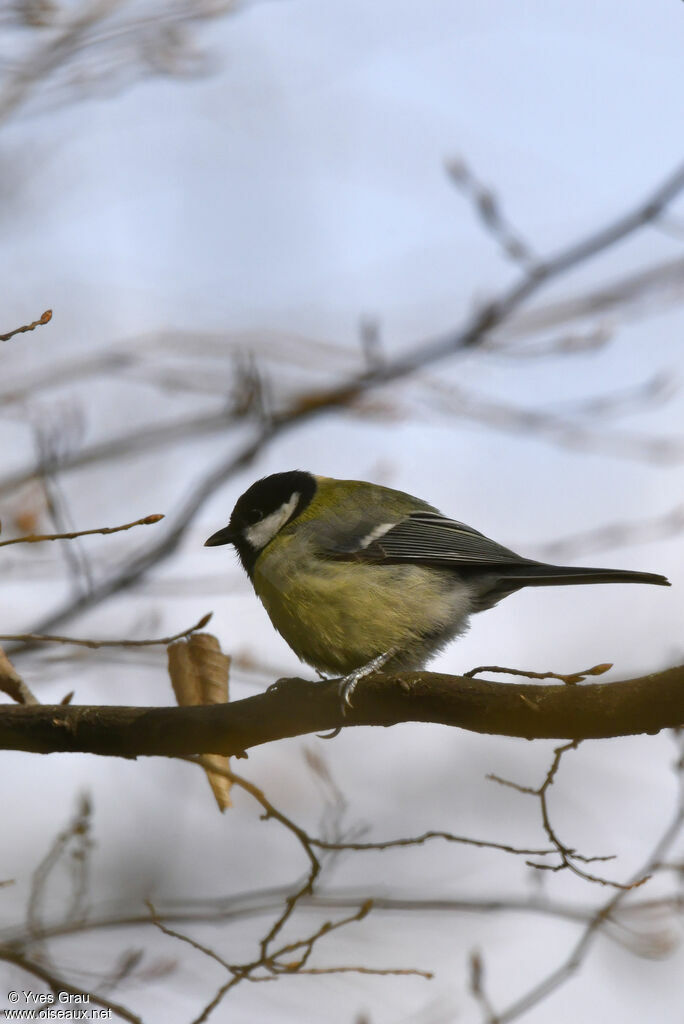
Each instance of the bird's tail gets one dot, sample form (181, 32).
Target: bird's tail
(539, 574)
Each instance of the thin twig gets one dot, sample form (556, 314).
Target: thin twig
(615, 535)
(182, 937)
(58, 984)
(659, 285)
(605, 913)
(75, 840)
(564, 430)
(134, 442)
(44, 319)
(570, 679)
(43, 61)
(568, 856)
(255, 903)
(490, 213)
(34, 538)
(76, 559)
(477, 987)
(269, 960)
(449, 837)
(165, 640)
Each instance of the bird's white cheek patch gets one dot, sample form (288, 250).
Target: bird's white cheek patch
(264, 531)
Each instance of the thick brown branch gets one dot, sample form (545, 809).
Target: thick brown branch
(296, 707)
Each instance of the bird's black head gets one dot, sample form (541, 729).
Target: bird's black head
(262, 511)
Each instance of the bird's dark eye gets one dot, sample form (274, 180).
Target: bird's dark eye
(256, 515)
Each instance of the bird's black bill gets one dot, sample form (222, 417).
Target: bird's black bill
(224, 536)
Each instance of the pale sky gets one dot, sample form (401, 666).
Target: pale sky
(296, 187)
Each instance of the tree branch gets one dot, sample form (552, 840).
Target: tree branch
(297, 706)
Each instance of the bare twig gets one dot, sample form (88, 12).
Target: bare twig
(42, 62)
(134, 442)
(39, 538)
(137, 565)
(615, 535)
(565, 430)
(490, 213)
(76, 559)
(570, 679)
(568, 343)
(449, 837)
(255, 903)
(605, 913)
(58, 984)
(477, 987)
(164, 640)
(568, 856)
(44, 319)
(273, 961)
(653, 391)
(174, 934)
(74, 838)
(658, 285)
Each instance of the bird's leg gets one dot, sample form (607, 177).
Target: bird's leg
(348, 683)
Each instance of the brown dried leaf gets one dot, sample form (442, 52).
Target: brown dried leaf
(26, 520)
(11, 682)
(198, 670)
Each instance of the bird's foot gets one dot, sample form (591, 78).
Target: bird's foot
(329, 735)
(348, 683)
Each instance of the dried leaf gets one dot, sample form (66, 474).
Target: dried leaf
(198, 669)
(26, 520)
(11, 682)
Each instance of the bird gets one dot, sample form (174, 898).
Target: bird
(357, 577)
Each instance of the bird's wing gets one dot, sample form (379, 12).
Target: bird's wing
(428, 538)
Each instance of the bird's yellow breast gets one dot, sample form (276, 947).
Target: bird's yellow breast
(337, 616)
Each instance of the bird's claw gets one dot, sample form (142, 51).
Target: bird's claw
(348, 683)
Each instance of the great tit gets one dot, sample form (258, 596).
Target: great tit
(355, 576)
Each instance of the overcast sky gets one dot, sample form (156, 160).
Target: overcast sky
(296, 187)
